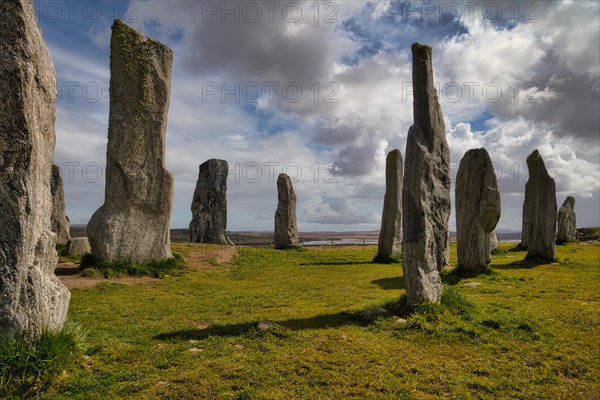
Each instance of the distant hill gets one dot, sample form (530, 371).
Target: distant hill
(181, 235)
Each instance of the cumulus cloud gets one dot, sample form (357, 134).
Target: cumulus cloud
(509, 144)
(332, 210)
(543, 57)
(542, 76)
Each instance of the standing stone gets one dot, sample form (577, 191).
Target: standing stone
(391, 219)
(60, 222)
(567, 223)
(426, 188)
(286, 226)
(32, 299)
(77, 247)
(133, 223)
(539, 211)
(493, 240)
(209, 205)
(477, 210)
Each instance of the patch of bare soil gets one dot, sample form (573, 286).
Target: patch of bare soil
(69, 275)
(198, 259)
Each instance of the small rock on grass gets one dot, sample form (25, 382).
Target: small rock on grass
(267, 325)
(195, 350)
(472, 284)
(373, 312)
(87, 361)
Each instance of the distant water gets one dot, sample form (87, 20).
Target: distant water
(342, 242)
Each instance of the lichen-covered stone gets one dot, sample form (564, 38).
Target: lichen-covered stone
(567, 222)
(32, 299)
(539, 211)
(426, 188)
(60, 222)
(209, 205)
(286, 225)
(477, 209)
(133, 223)
(390, 237)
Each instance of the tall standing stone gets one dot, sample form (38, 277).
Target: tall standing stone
(60, 222)
(133, 223)
(286, 225)
(426, 188)
(539, 211)
(567, 223)
(391, 219)
(477, 210)
(32, 299)
(209, 205)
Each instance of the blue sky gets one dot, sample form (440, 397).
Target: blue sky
(334, 84)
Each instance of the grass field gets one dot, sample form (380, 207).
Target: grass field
(526, 332)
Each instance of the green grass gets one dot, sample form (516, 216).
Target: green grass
(30, 368)
(60, 249)
(529, 331)
(498, 251)
(110, 268)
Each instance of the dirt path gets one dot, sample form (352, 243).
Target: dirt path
(199, 258)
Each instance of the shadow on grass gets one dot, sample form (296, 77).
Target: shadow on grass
(517, 248)
(455, 275)
(389, 283)
(387, 260)
(522, 264)
(66, 271)
(227, 330)
(450, 300)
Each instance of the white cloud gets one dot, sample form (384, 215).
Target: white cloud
(372, 113)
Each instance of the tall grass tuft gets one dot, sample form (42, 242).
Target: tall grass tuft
(115, 268)
(452, 299)
(27, 368)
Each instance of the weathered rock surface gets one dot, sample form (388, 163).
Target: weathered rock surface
(60, 222)
(133, 223)
(77, 247)
(477, 209)
(209, 205)
(567, 223)
(426, 188)
(32, 299)
(286, 225)
(539, 211)
(391, 219)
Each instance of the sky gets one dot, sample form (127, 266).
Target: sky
(322, 91)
